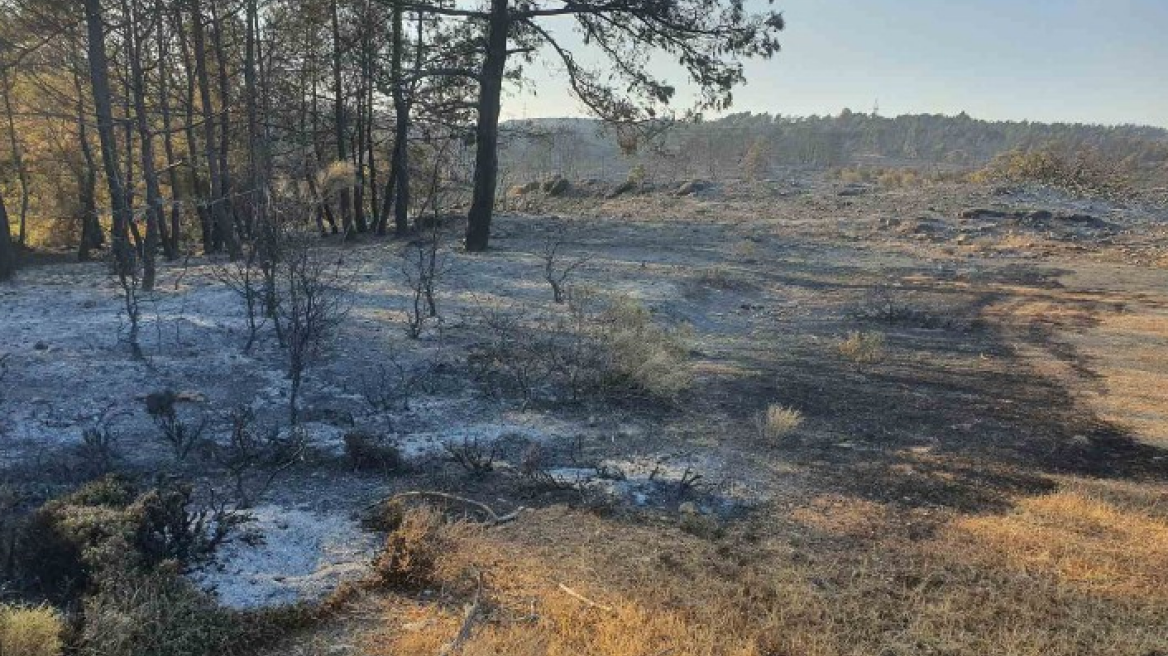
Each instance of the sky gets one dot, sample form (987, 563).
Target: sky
(1089, 61)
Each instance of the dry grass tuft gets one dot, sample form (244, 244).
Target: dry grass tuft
(863, 348)
(30, 631)
(779, 421)
(644, 354)
(417, 548)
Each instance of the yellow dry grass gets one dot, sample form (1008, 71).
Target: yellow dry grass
(1080, 537)
(779, 421)
(30, 631)
(981, 585)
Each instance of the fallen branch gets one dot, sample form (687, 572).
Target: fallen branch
(472, 612)
(576, 595)
(493, 518)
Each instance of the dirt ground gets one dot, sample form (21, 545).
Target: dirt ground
(994, 480)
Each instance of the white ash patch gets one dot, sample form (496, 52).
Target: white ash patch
(301, 556)
(658, 479)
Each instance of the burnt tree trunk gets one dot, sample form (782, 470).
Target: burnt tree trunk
(103, 109)
(17, 157)
(198, 189)
(170, 247)
(339, 119)
(224, 230)
(91, 235)
(7, 251)
(478, 229)
(397, 187)
(224, 80)
(154, 207)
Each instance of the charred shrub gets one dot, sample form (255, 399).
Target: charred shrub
(181, 435)
(368, 452)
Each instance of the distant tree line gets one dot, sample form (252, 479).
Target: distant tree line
(753, 145)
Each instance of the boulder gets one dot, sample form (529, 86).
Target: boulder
(692, 187)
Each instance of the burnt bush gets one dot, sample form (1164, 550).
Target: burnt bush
(368, 452)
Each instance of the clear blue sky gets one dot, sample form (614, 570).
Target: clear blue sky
(1093, 61)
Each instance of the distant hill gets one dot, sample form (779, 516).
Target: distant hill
(581, 148)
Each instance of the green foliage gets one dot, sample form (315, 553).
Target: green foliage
(155, 614)
(70, 544)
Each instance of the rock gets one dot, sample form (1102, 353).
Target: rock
(556, 187)
(689, 508)
(524, 189)
(692, 187)
(981, 213)
(332, 416)
(41, 346)
(621, 189)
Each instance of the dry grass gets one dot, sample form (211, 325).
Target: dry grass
(30, 631)
(863, 347)
(1097, 541)
(966, 591)
(644, 354)
(778, 421)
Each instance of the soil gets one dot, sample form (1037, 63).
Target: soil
(1025, 334)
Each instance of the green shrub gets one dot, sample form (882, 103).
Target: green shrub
(66, 544)
(155, 614)
(30, 631)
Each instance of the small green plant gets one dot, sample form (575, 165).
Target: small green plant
(30, 631)
(778, 421)
(863, 348)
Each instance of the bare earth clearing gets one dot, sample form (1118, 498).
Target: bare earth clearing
(996, 481)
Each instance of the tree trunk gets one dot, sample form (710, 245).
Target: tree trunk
(359, 156)
(224, 230)
(170, 246)
(324, 207)
(478, 230)
(91, 236)
(154, 208)
(397, 187)
(17, 158)
(369, 56)
(339, 117)
(99, 81)
(7, 252)
(200, 192)
(257, 192)
(226, 187)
